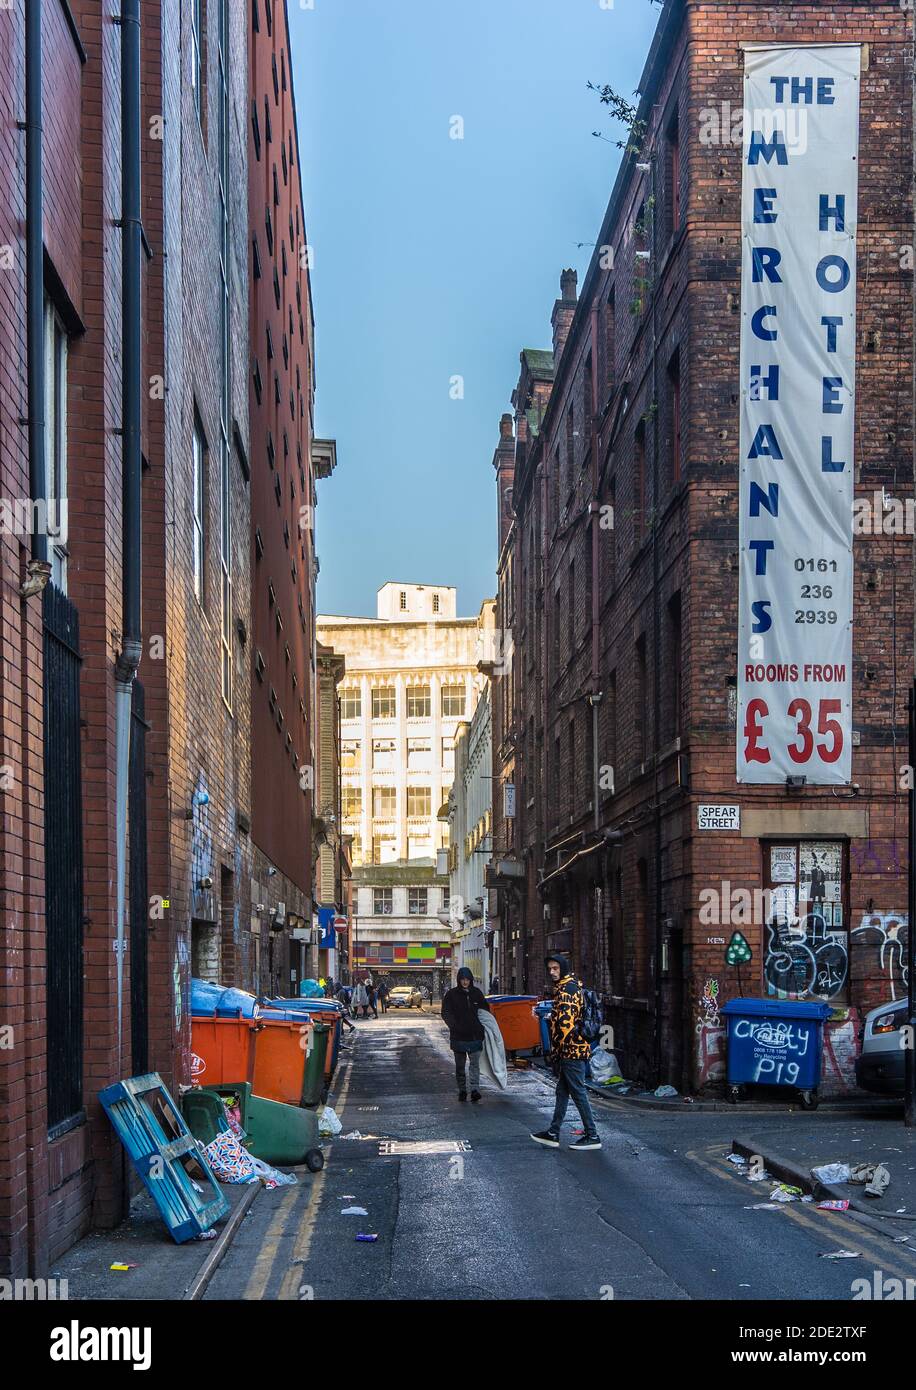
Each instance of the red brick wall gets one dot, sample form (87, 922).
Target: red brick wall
(282, 483)
(696, 281)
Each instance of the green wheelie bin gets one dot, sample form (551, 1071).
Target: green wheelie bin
(283, 1135)
(313, 1082)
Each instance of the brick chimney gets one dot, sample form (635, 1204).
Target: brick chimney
(504, 463)
(563, 311)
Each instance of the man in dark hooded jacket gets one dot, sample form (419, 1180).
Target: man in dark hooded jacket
(570, 1052)
(459, 1013)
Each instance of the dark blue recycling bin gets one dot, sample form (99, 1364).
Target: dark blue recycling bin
(543, 1011)
(775, 1042)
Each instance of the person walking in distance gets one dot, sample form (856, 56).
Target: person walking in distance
(569, 1052)
(359, 1000)
(459, 1013)
(383, 991)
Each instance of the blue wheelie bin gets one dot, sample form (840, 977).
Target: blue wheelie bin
(543, 1011)
(775, 1042)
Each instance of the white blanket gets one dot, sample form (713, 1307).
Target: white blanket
(493, 1057)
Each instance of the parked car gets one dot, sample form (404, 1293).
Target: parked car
(405, 997)
(881, 1061)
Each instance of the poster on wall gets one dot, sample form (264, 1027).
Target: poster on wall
(799, 205)
(783, 859)
(819, 870)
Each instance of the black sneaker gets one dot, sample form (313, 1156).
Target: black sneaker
(545, 1137)
(586, 1143)
(475, 1095)
(462, 1095)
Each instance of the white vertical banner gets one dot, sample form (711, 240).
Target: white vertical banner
(799, 202)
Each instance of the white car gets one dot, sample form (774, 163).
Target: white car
(881, 1064)
(405, 997)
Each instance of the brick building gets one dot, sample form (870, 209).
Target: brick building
(286, 461)
(619, 582)
(88, 994)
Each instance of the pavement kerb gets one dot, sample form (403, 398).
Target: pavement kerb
(215, 1254)
(830, 1109)
(795, 1176)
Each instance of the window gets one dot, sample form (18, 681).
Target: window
(384, 754)
(350, 755)
(419, 847)
(416, 902)
(674, 665)
(453, 702)
(570, 449)
(640, 709)
(384, 702)
(446, 899)
(384, 803)
(351, 704)
(419, 754)
(382, 902)
(639, 481)
(384, 850)
(356, 853)
(55, 521)
(609, 342)
(588, 399)
(674, 386)
(351, 802)
(435, 603)
(198, 490)
(418, 702)
(419, 802)
(256, 129)
(674, 176)
(197, 44)
(402, 601)
(448, 755)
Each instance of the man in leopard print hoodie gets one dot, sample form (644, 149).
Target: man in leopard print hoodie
(570, 1053)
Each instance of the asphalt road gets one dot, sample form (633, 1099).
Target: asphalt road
(658, 1213)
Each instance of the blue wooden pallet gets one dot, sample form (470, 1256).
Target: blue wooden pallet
(157, 1155)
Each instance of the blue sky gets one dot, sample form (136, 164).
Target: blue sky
(436, 257)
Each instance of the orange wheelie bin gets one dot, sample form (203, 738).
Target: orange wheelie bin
(222, 1050)
(270, 1054)
(514, 1014)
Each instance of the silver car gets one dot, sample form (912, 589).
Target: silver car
(880, 1065)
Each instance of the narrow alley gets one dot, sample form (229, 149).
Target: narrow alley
(465, 1206)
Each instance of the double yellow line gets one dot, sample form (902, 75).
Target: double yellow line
(294, 1275)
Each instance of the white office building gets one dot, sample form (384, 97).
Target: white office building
(411, 679)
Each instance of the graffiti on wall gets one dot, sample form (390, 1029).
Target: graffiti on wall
(887, 932)
(709, 1004)
(710, 1036)
(805, 957)
(840, 1052)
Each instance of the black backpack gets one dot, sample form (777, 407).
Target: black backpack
(591, 1022)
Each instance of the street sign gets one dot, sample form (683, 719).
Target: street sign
(719, 817)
